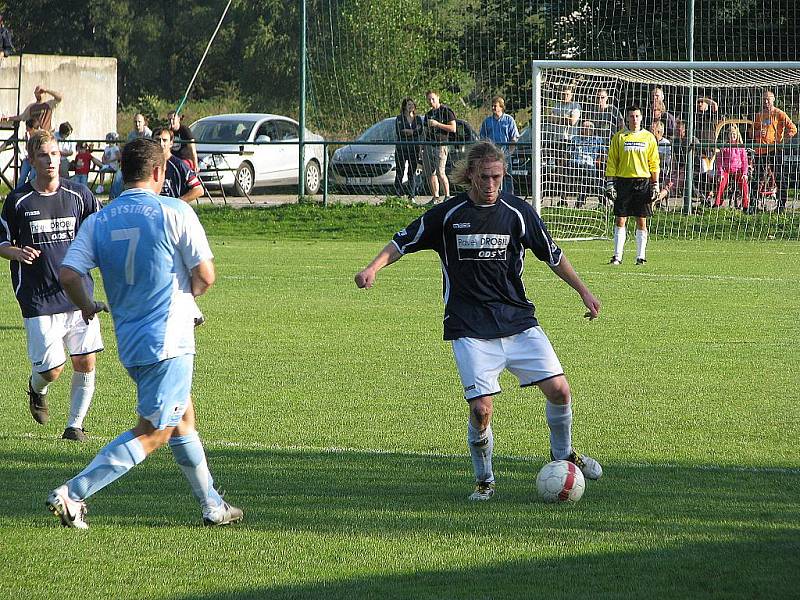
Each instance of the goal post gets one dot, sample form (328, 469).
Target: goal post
(700, 105)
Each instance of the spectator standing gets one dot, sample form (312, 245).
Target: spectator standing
(733, 160)
(605, 117)
(657, 102)
(705, 120)
(40, 220)
(772, 126)
(408, 128)
(41, 109)
(83, 163)
(67, 148)
(440, 123)
(501, 128)
(26, 171)
(563, 122)
(140, 128)
(632, 182)
(6, 45)
(184, 147)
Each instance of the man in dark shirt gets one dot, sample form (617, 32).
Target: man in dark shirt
(6, 45)
(37, 225)
(440, 122)
(180, 181)
(481, 236)
(184, 148)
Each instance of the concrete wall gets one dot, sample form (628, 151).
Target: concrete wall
(88, 85)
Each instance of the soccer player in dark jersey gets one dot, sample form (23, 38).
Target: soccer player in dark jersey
(181, 181)
(632, 182)
(481, 236)
(37, 225)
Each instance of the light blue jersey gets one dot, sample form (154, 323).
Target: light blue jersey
(145, 246)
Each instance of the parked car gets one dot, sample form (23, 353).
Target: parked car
(240, 152)
(365, 164)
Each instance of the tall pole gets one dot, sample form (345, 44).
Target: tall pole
(301, 175)
(688, 168)
(536, 140)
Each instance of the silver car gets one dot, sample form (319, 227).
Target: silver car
(366, 164)
(247, 150)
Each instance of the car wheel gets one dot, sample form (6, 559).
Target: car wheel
(244, 180)
(313, 178)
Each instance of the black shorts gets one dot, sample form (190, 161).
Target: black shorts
(634, 197)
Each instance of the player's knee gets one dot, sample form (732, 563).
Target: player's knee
(52, 374)
(558, 393)
(84, 363)
(481, 411)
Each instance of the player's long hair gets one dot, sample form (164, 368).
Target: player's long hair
(478, 152)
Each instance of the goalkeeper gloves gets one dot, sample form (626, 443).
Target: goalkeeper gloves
(655, 190)
(611, 190)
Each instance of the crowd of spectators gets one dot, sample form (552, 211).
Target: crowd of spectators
(746, 148)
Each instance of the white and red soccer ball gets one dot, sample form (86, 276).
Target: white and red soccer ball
(560, 481)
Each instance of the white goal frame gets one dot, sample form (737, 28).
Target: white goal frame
(538, 66)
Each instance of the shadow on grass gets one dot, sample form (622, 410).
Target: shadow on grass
(707, 533)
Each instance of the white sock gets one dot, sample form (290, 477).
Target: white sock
(81, 394)
(619, 241)
(481, 446)
(559, 420)
(39, 383)
(641, 242)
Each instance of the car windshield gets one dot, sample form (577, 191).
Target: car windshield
(222, 130)
(380, 132)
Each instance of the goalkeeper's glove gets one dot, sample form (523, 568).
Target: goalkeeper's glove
(611, 190)
(654, 191)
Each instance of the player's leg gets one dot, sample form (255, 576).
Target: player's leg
(441, 170)
(83, 342)
(190, 455)
(533, 360)
(643, 210)
(479, 364)
(163, 390)
(641, 240)
(620, 218)
(44, 337)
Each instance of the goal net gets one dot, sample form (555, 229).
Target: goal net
(726, 135)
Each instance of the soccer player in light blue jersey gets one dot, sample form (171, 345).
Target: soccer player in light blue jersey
(155, 259)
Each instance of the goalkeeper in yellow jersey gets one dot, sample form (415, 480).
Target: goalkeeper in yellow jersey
(632, 182)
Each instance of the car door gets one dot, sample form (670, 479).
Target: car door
(267, 155)
(288, 132)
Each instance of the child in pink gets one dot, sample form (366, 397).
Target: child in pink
(733, 161)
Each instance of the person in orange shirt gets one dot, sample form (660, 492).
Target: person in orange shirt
(772, 126)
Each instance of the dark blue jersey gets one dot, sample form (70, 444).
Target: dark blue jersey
(180, 178)
(47, 222)
(482, 250)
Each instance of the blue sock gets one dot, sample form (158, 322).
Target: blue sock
(118, 457)
(191, 458)
(481, 446)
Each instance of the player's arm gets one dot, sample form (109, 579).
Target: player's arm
(566, 272)
(366, 277)
(203, 277)
(72, 283)
(25, 255)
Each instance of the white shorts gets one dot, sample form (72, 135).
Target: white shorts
(528, 355)
(47, 336)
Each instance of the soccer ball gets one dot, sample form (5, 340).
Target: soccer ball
(560, 481)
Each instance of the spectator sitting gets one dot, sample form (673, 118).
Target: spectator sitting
(110, 160)
(664, 159)
(733, 160)
(66, 147)
(83, 163)
(586, 163)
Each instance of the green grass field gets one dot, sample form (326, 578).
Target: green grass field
(333, 417)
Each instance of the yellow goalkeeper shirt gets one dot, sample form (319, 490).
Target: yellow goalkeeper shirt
(632, 154)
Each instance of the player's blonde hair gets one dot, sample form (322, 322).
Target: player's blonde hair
(478, 153)
(39, 138)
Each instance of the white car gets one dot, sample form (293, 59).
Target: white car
(247, 150)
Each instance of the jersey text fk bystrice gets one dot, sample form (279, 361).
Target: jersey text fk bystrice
(482, 251)
(49, 223)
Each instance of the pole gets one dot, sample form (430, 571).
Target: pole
(301, 179)
(202, 60)
(688, 167)
(536, 139)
